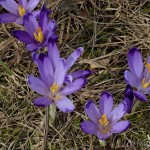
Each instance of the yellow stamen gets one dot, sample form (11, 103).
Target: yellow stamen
(21, 10)
(38, 35)
(54, 88)
(148, 66)
(103, 121)
(145, 84)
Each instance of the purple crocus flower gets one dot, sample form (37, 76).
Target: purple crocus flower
(71, 76)
(51, 83)
(38, 32)
(136, 77)
(17, 11)
(104, 122)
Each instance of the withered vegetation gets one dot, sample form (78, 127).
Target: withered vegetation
(106, 29)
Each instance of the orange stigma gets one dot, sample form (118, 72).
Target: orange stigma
(148, 67)
(38, 35)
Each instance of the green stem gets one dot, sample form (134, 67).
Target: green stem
(135, 104)
(46, 128)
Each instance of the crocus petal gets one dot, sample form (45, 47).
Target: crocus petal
(135, 62)
(32, 4)
(37, 85)
(45, 69)
(53, 37)
(51, 26)
(36, 13)
(88, 127)
(81, 73)
(147, 90)
(10, 5)
(32, 47)
(50, 30)
(129, 104)
(129, 92)
(60, 73)
(130, 78)
(148, 60)
(128, 98)
(43, 18)
(19, 20)
(7, 18)
(105, 103)
(22, 36)
(30, 24)
(35, 56)
(102, 136)
(74, 86)
(118, 112)
(140, 96)
(146, 72)
(22, 3)
(64, 104)
(120, 126)
(73, 57)
(68, 79)
(92, 111)
(42, 102)
(53, 53)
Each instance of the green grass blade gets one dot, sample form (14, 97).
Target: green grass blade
(6, 68)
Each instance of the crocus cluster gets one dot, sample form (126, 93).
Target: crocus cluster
(55, 81)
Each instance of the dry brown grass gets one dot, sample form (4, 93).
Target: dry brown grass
(106, 29)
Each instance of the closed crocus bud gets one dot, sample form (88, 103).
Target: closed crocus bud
(128, 98)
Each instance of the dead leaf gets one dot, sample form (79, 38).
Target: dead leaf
(95, 63)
